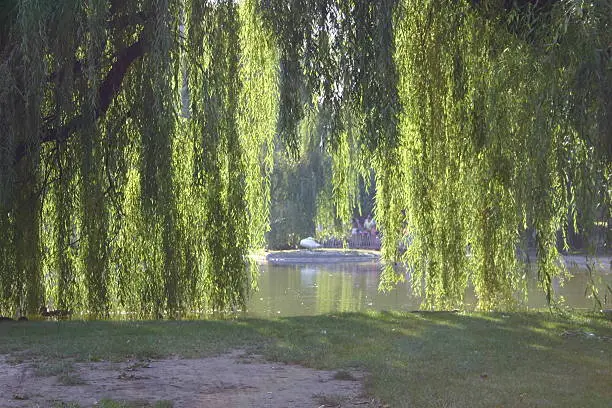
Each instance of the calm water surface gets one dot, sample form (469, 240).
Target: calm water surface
(310, 289)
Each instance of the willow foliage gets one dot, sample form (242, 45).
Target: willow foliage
(487, 134)
(112, 201)
(481, 119)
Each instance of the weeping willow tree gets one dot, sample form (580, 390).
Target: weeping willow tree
(481, 119)
(505, 127)
(111, 200)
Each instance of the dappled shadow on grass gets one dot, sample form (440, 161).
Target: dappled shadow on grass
(520, 359)
(414, 359)
(111, 340)
(447, 359)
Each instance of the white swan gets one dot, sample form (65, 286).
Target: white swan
(309, 243)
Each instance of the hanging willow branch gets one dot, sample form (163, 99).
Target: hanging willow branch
(486, 124)
(107, 90)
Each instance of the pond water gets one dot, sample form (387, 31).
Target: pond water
(311, 289)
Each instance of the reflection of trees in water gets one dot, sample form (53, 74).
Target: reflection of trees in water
(323, 288)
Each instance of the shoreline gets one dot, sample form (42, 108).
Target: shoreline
(327, 255)
(303, 256)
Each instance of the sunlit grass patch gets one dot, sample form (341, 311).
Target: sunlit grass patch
(344, 375)
(52, 368)
(70, 379)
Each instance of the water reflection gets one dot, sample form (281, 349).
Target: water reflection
(293, 290)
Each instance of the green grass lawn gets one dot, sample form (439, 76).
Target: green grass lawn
(413, 359)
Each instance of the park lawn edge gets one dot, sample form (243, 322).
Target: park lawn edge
(411, 359)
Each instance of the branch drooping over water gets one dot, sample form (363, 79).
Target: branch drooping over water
(480, 119)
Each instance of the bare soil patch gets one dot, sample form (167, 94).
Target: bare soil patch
(232, 380)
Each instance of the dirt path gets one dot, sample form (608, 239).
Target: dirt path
(232, 380)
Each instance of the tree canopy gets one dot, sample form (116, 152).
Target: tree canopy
(137, 140)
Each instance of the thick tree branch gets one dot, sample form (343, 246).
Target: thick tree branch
(112, 83)
(108, 89)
